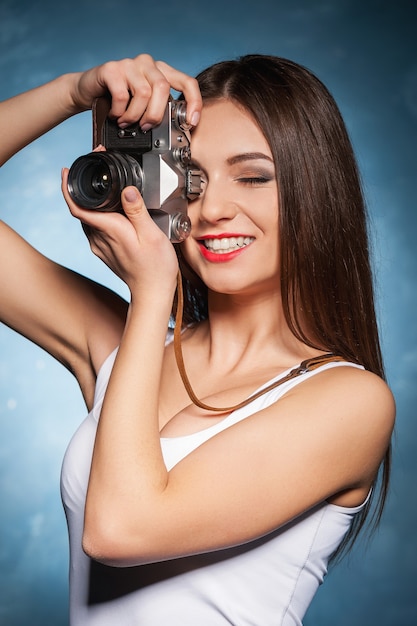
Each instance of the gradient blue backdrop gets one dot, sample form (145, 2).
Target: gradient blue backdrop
(365, 51)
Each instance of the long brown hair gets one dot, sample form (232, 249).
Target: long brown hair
(326, 276)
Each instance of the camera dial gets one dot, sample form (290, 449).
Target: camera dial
(180, 227)
(179, 115)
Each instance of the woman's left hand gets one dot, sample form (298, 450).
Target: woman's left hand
(132, 245)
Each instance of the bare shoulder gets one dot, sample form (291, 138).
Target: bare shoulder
(337, 422)
(356, 390)
(352, 393)
(350, 409)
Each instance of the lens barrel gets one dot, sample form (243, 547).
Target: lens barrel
(96, 180)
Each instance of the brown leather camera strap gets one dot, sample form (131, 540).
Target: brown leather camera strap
(306, 366)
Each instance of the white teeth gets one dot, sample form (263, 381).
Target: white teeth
(227, 244)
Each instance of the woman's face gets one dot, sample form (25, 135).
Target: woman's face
(233, 244)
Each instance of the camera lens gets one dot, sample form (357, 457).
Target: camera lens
(100, 181)
(95, 181)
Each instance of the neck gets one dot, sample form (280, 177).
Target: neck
(253, 329)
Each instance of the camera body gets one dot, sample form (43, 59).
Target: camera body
(157, 162)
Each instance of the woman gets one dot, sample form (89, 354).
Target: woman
(190, 507)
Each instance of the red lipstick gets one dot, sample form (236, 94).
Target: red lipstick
(221, 257)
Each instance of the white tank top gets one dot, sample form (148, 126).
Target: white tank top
(268, 582)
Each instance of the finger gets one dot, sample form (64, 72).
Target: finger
(156, 102)
(126, 80)
(149, 89)
(151, 86)
(138, 215)
(188, 86)
(112, 75)
(154, 244)
(134, 206)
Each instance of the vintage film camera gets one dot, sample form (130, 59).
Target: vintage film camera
(157, 162)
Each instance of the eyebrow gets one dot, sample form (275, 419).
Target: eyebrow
(248, 156)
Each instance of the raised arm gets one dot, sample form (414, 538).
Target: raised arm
(139, 88)
(75, 320)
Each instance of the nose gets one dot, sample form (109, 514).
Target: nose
(215, 203)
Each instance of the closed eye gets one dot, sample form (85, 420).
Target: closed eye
(254, 180)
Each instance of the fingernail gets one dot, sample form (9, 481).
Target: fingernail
(146, 127)
(195, 118)
(131, 194)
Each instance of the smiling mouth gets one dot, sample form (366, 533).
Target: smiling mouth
(227, 244)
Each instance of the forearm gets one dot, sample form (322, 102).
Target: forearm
(128, 472)
(35, 112)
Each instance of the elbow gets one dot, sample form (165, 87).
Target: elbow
(109, 542)
(101, 545)
(101, 537)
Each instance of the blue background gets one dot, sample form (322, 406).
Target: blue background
(365, 51)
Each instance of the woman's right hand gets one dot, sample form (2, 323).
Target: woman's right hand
(139, 90)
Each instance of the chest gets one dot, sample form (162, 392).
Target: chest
(179, 416)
